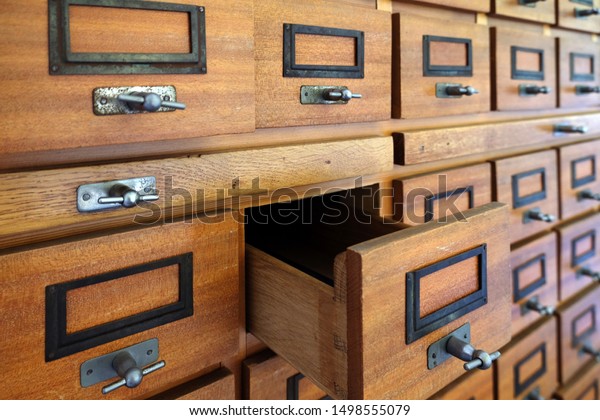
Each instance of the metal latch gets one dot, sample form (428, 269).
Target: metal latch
(115, 194)
(135, 100)
(125, 363)
(326, 95)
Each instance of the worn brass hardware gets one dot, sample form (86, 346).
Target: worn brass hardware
(135, 100)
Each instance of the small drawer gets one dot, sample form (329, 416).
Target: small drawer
(325, 285)
(528, 368)
(529, 184)
(534, 279)
(217, 385)
(579, 255)
(172, 289)
(473, 386)
(579, 15)
(436, 196)
(579, 333)
(65, 50)
(584, 386)
(269, 377)
(314, 59)
(439, 67)
(579, 76)
(579, 180)
(476, 6)
(533, 10)
(524, 70)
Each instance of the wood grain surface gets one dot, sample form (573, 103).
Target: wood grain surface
(542, 11)
(578, 44)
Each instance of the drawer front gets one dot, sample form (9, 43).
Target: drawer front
(579, 330)
(583, 386)
(528, 368)
(529, 185)
(477, 385)
(573, 14)
(322, 47)
(579, 255)
(432, 60)
(269, 377)
(542, 11)
(437, 196)
(524, 71)
(217, 385)
(579, 64)
(534, 278)
(70, 302)
(220, 99)
(477, 6)
(579, 180)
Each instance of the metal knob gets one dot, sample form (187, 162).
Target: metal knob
(148, 101)
(581, 13)
(461, 90)
(534, 90)
(131, 375)
(465, 351)
(537, 214)
(535, 305)
(126, 196)
(583, 89)
(588, 272)
(588, 195)
(588, 349)
(341, 95)
(570, 128)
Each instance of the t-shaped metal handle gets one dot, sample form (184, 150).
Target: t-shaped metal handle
(148, 101)
(126, 196)
(341, 95)
(461, 91)
(465, 351)
(131, 375)
(581, 13)
(588, 195)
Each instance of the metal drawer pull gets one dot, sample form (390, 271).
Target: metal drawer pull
(588, 349)
(536, 306)
(131, 375)
(326, 95)
(582, 13)
(124, 100)
(588, 272)
(537, 214)
(570, 128)
(150, 102)
(126, 196)
(114, 194)
(530, 3)
(453, 90)
(476, 359)
(588, 195)
(584, 90)
(532, 90)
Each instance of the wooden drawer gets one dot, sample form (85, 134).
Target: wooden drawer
(523, 63)
(567, 15)
(579, 60)
(321, 293)
(528, 183)
(68, 302)
(269, 377)
(431, 58)
(535, 284)
(477, 385)
(528, 368)
(578, 330)
(543, 11)
(579, 181)
(579, 254)
(48, 103)
(217, 385)
(436, 196)
(314, 43)
(477, 6)
(584, 386)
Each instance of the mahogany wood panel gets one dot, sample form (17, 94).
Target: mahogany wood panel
(305, 320)
(578, 325)
(448, 191)
(477, 6)
(476, 385)
(278, 97)
(534, 276)
(579, 247)
(525, 183)
(187, 345)
(579, 171)
(578, 65)
(414, 86)
(529, 364)
(534, 63)
(43, 112)
(585, 385)
(217, 385)
(543, 11)
(566, 16)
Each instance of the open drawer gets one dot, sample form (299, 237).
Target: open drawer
(359, 305)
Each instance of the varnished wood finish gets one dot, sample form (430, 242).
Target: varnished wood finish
(585, 385)
(326, 331)
(578, 236)
(468, 183)
(505, 171)
(571, 65)
(187, 346)
(533, 356)
(534, 263)
(567, 19)
(278, 97)
(579, 315)
(578, 162)
(477, 6)
(217, 385)
(413, 92)
(506, 88)
(542, 11)
(42, 112)
(475, 385)
(185, 185)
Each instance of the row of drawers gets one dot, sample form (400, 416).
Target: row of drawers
(263, 60)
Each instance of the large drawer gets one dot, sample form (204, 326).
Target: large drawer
(320, 293)
(174, 287)
(48, 101)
